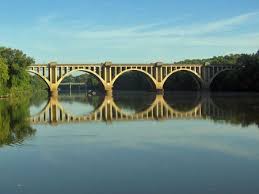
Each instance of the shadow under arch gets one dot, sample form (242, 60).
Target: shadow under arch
(195, 76)
(40, 76)
(99, 78)
(183, 101)
(217, 75)
(150, 79)
(133, 103)
(161, 110)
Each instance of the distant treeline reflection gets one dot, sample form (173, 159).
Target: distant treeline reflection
(242, 109)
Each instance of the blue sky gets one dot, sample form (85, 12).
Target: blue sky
(129, 31)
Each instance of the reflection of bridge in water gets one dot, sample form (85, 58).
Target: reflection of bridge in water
(159, 109)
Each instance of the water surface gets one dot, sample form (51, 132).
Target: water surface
(130, 143)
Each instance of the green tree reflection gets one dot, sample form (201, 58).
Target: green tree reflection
(14, 124)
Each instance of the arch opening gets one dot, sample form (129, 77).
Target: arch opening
(182, 81)
(80, 104)
(134, 103)
(40, 95)
(79, 81)
(183, 102)
(38, 105)
(38, 82)
(134, 81)
(225, 80)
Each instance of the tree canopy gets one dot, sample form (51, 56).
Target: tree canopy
(4, 76)
(219, 60)
(13, 64)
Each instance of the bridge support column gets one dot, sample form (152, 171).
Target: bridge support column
(54, 90)
(205, 86)
(108, 92)
(108, 89)
(53, 78)
(159, 89)
(53, 110)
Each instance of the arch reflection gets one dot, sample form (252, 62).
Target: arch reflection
(115, 109)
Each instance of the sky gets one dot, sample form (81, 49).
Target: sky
(129, 31)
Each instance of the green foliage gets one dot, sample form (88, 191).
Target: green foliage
(17, 63)
(220, 60)
(37, 83)
(4, 76)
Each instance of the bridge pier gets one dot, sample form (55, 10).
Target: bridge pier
(160, 91)
(205, 86)
(54, 90)
(54, 93)
(108, 92)
(108, 89)
(159, 88)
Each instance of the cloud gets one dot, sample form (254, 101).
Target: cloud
(179, 31)
(55, 37)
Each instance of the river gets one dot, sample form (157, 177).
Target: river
(130, 143)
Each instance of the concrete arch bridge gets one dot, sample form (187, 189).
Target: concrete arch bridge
(107, 73)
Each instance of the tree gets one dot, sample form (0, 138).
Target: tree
(17, 63)
(3, 76)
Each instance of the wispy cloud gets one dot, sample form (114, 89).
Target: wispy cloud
(54, 36)
(149, 30)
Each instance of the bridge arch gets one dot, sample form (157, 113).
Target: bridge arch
(42, 77)
(146, 74)
(217, 74)
(183, 101)
(82, 70)
(197, 77)
(42, 110)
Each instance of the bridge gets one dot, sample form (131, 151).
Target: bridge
(108, 111)
(107, 73)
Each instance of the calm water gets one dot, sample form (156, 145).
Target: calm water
(131, 143)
